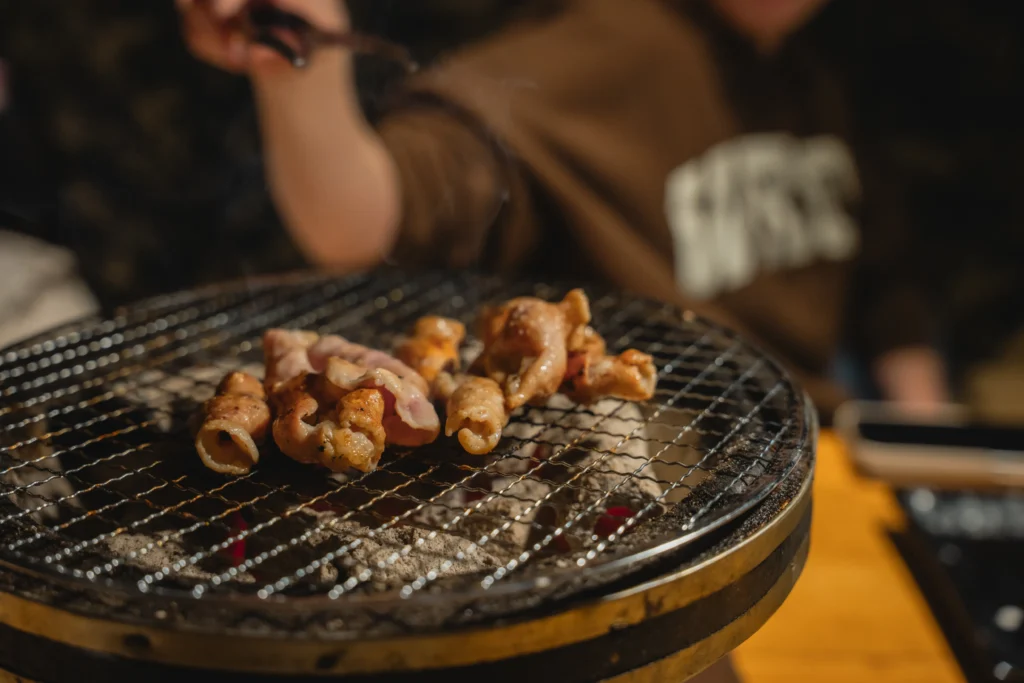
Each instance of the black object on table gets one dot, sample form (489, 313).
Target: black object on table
(966, 551)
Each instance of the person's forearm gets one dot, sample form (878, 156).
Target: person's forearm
(331, 177)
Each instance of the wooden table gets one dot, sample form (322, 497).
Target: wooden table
(855, 614)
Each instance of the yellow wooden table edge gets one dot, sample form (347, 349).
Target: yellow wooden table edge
(855, 614)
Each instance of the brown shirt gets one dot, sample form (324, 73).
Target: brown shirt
(640, 143)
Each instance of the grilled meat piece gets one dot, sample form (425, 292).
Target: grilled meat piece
(525, 345)
(476, 412)
(286, 355)
(313, 428)
(630, 376)
(235, 423)
(592, 375)
(433, 347)
(409, 417)
(333, 346)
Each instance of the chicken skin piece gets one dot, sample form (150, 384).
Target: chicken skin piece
(476, 412)
(445, 385)
(409, 417)
(333, 346)
(525, 345)
(286, 355)
(585, 341)
(592, 375)
(234, 425)
(289, 353)
(433, 347)
(630, 376)
(313, 429)
(361, 415)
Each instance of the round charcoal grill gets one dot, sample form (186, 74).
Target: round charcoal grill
(614, 541)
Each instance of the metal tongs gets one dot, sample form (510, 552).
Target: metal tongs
(264, 23)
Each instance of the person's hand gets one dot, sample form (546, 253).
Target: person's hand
(214, 33)
(914, 377)
(333, 180)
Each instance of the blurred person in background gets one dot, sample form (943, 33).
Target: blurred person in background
(697, 152)
(151, 171)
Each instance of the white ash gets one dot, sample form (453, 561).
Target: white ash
(159, 552)
(600, 459)
(592, 460)
(396, 555)
(35, 481)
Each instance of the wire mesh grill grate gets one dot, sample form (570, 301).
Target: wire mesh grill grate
(100, 484)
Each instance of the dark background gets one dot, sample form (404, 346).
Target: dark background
(937, 89)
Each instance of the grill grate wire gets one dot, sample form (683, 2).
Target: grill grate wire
(99, 482)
